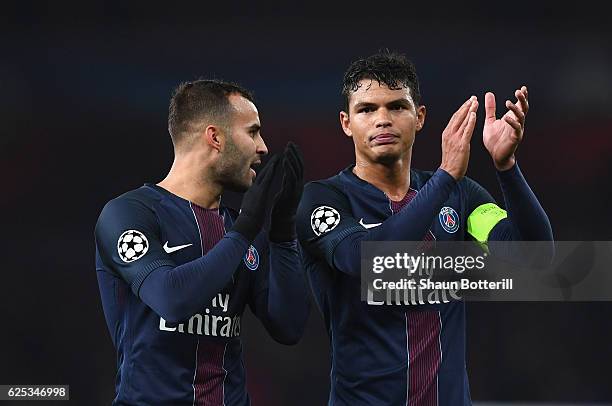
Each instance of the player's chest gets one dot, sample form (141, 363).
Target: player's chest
(447, 225)
(187, 237)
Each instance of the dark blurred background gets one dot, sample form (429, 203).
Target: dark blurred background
(84, 91)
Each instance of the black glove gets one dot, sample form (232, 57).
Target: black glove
(282, 227)
(257, 201)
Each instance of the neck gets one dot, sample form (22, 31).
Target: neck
(392, 178)
(184, 180)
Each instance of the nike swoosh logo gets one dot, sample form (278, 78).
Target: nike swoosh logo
(170, 250)
(368, 225)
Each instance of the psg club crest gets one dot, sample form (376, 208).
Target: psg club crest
(324, 219)
(251, 258)
(132, 245)
(449, 219)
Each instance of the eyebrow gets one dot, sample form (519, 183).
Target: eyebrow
(401, 102)
(254, 127)
(364, 104)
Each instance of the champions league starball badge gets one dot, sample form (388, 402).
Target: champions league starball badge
(132, 245)
(251, 258)
(449, 219)
(324, 219)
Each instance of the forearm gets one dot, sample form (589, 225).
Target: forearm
(527, 221)
(178, 293)
(412, 223)
(284, 307)
(525, 214)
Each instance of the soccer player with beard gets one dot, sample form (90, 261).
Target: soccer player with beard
(176, 267)
(406, 354)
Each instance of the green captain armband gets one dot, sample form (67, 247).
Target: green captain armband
(482, 220)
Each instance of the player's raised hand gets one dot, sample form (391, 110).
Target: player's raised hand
(502, 136)
(456, 139)
(286, 201)
(257, 201)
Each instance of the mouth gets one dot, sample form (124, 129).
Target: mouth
(384, 138)
(254, 167)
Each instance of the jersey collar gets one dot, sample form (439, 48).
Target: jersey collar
(417, 180)
(166, 193)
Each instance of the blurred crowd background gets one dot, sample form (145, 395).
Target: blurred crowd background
(84, 91)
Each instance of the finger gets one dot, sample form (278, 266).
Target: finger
(518, 114)
(271, 163)
(286, 152)
(264, 178)
(300, 161)
(289, 183)
(286, 174)
(274, 172)
(267, 173)
(473, 109)
(522, 99)
(489, 107)
(513, 123)
(296, 160)
(469, 128)
(457, 118)
(453, 119)
(290, 174)
(295, 150)
(289, 163)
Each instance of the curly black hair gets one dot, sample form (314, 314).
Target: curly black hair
(389, 68)
(196, 100)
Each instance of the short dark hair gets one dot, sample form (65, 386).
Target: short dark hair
(201, 99)
(389, 68)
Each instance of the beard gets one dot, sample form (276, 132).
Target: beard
(388, 157)
(234, 170)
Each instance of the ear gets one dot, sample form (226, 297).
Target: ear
(420, 112)
(213, 137)
(345, 121)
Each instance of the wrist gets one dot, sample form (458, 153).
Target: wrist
(247, 226)
(282, 229)
(450, 173)
(504, 165)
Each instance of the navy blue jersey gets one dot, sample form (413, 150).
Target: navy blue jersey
(190, 354)
(386, 354)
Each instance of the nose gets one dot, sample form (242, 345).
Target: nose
(383, 118)
(262, 149)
